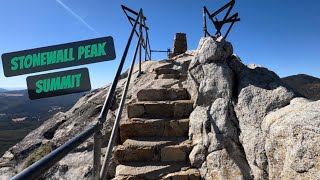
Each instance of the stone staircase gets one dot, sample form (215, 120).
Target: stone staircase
(154, 138)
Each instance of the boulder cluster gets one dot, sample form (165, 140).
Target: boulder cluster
(247, 124)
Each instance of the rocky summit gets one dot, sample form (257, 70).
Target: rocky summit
(202, 114)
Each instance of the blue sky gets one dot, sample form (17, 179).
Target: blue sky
(280, 35)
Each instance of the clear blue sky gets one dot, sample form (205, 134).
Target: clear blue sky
(280, 35)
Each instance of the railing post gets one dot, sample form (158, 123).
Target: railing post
(146, 50)
(146, 41)
(150, 54)
(140, 52)
(140, 42)
(104, 168)
(97, 140)
(204, 22)
(109, 99)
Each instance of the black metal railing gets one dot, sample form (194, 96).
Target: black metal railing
(168, 51)
(37, 169)
(219, 24)
(145, 42)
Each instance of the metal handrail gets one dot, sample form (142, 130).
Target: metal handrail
(219, 24)
(107, 157)
(145, 43)
(40, 167)
(168, 51)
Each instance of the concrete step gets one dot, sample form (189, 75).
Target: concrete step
(163, 94)
(148, 170)
(165, 149)
(160, 109)
(138, 127)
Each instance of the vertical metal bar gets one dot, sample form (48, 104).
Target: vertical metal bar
(147, 41)
(109, 99)
(204, 22)
(97, 140)
(140, 53)
(125, 9)
(146, 49)
(229, 29)
(140, 42)
(150, 54)
(104, 170)
(145, 52)
(229, 10)
(150, 51)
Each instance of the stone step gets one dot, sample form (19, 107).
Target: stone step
(173, 76)
(168, 76)
(160, 71)
(160, 109)
(148, 170)
(163, 94)
(138, 127)
(189, 174)
(164, 149)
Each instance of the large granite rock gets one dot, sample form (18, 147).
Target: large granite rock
(209, 75)
(232, 101)
(217, 153)
(259, 91)
(293, 141)
(254, 103)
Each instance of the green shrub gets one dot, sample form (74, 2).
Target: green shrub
(36, 155)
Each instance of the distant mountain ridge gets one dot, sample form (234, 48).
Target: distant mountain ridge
(306, 85)
(3, 90)
(19, 115)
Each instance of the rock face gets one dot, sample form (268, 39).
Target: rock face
(233, 104)
(292, 140)
(253, 105)
(214, 127)
(201, 115)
